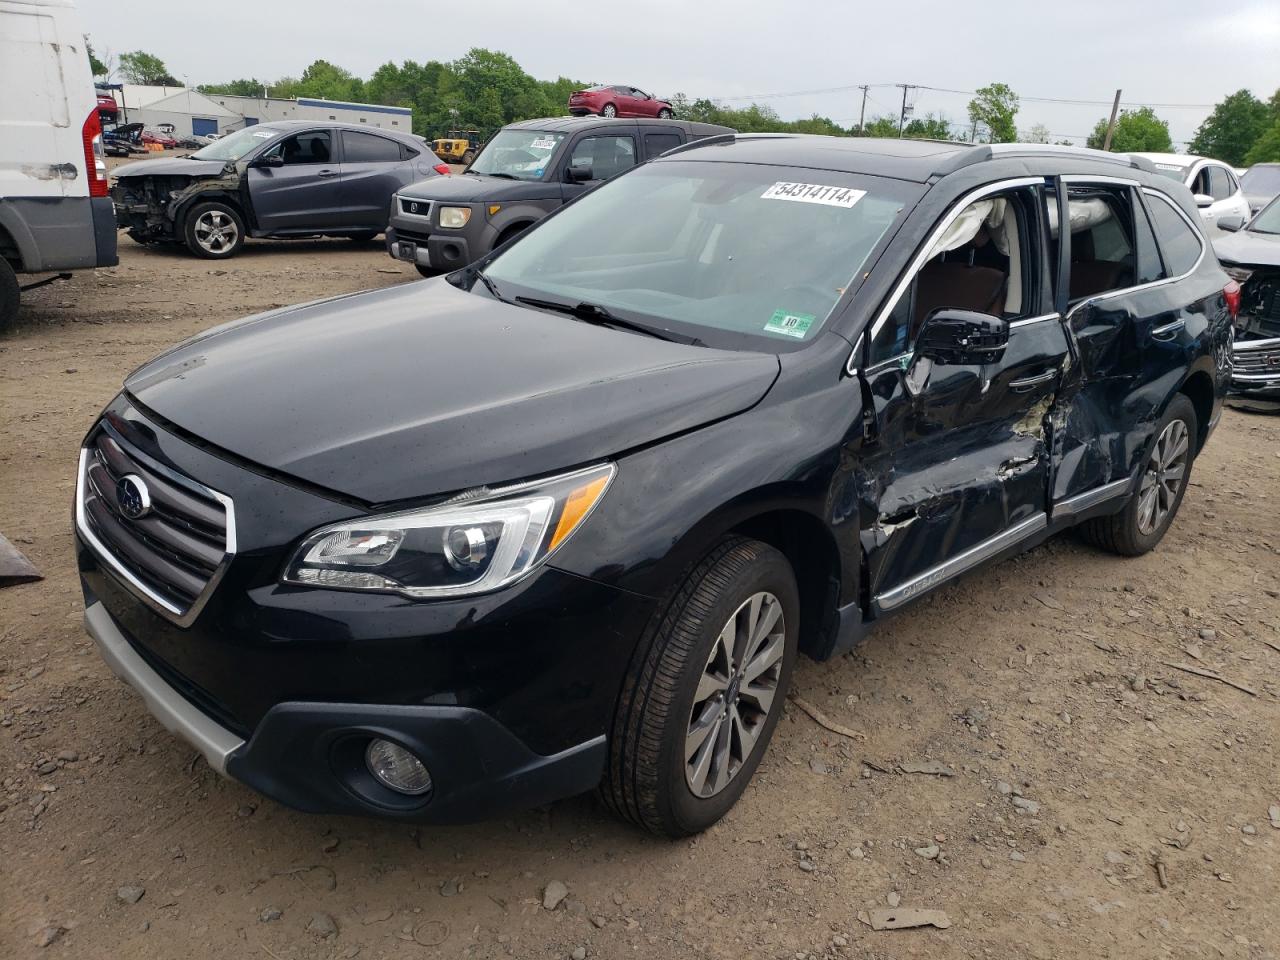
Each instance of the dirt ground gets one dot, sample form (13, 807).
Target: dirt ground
(1076, 758)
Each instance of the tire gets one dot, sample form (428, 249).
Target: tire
(468, 157)
(361, 236)
(511, 233)
(1132, 531)
(664, 114)
(10, 296)
(200, 223)
(609, 111)
(427, 272)
(648, 779)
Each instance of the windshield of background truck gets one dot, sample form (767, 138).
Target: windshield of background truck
(523, 154)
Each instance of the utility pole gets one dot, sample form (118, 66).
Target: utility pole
(902, 118)
(1111, 126)
(862, 115)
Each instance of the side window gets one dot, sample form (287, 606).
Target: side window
(1219, 183)
(608, 156)
(1102, 245)
(656, 143)
(1201, 183)
(986, 260)
(1149, 266)
(407, 152)
(310, 147)
(368, 148)
(1180, 243)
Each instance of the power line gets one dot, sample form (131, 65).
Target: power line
(1068, 101)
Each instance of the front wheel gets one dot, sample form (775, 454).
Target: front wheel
(664, 114)
(1151, 508)
(468, 157)
(705, 691)
(213, 230)
(609, 111)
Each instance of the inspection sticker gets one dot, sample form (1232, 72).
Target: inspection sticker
(543, 143)
(814, 193)
(790, 324)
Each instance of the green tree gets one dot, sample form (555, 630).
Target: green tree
(880, 127)
(994, 107)
(1137, 131)
(142, 67)
(1266, 149)
(97, 68)
(252, 87)
(1229, 132)
(329, 82)
(928, 127)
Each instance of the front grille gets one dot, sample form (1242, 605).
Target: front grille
(1262, 360)
(171, 553)
(415, 208)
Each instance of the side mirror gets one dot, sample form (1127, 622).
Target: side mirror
(270, 160)
(1230, 223)
(1203, 200)
(962, 337)
(580, 171)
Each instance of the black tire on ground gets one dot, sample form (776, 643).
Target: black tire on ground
(139, 238)
(426, 271)
(609, 110)
(468, 157)
(195, 220)
(664, 114)
(10, 296)
(362, 236)
(1120, 532)
(645, 776)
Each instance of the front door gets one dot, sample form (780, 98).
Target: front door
(958, 455)
(305, 193)
(608, 153)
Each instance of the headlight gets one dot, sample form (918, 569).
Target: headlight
(471, 544)
(1238, 274)
(454, 217)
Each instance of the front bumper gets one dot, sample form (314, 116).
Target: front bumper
(309, 755)
(438, 251)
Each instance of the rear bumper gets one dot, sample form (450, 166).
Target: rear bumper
(310, 756)
(61, 233)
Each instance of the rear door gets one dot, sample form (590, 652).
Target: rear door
(959, 456)
(658, 140)
(373, 168)
(304, 194)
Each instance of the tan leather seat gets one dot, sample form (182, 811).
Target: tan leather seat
(959, 286)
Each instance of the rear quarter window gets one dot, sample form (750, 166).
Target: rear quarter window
(1180, 243)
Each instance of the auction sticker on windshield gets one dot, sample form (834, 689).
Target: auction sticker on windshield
(790, 324)
(543, 143)
(814, 193)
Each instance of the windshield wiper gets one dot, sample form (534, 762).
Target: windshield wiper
(502, 176)
(603, 317)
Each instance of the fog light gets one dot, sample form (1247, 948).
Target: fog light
(395, 767)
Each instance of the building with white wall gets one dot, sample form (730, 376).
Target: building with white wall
(265, 109)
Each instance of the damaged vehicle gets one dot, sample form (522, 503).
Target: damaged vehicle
(288, 179)
(1250, 253)
(570, 513)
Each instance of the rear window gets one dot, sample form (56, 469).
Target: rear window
(367, 148)
(1180, 243)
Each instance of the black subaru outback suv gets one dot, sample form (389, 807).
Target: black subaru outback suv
(526, 171)
(564, 519)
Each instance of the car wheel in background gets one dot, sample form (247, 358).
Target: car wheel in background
(468, 157)
(664, 114)
(609, 110)
(361, 236)
(704, 691)
(213, 230)
(1163, 481)
(10, 296)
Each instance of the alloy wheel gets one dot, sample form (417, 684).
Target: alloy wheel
(735, 694)
(1163, 478)
(609, 111)
(215, 231)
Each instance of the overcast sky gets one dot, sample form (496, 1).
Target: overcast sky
(1175, 52)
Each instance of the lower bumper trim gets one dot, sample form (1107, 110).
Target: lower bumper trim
(175, 713)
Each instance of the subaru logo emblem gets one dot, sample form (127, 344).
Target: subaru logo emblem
(133, 497)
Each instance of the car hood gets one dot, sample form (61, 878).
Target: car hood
(1249, 248)
(477, 187)
(425, 389)
(171, 167)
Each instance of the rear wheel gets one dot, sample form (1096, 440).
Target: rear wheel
(1151, 509)
(213, 230)
(664, 114)
(609, 110)
(704, 692)
(362, 236)
(10, 296)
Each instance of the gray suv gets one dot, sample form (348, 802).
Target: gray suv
(526, 171)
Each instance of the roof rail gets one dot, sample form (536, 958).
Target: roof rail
(995, 151)
(701, 142)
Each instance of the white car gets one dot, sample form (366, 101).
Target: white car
(1214, 183)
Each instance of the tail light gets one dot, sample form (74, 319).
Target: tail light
(442, 168)
(95, 161)
(1231, 294)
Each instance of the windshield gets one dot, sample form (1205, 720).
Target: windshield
(1268, 219)
(523, 154)
(236, 145)
(738, 255)
(1261, 181)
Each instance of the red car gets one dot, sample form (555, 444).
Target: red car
(163, 139)
(618, 101)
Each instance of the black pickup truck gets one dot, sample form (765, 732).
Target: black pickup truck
(526, 171)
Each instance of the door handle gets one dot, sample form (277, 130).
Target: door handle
(1028, 383)
(327, 173)
(1167, 331)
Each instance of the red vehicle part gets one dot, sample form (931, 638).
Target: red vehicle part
(618, 101)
